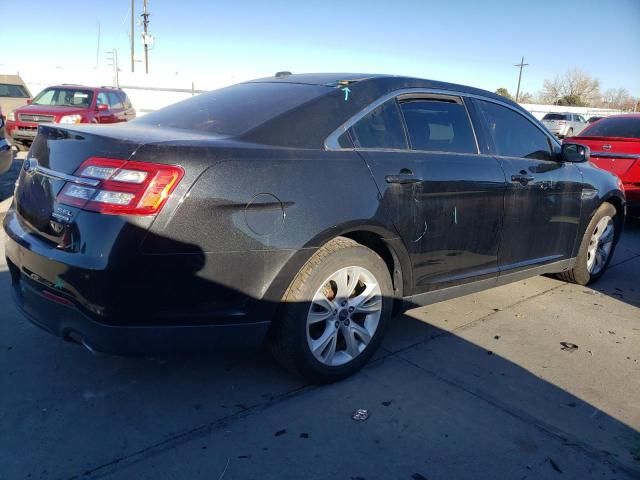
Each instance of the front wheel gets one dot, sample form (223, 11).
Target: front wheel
(334, 313)
(597, 247)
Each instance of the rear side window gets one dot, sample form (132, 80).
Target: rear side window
(381, 128)
(438, 126)
(625, 127)
(513, 135)
(234, 110)
(10, 90)
(125, 100)
(114, 100)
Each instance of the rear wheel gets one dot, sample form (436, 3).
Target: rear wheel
(596, 248)
(334, 313)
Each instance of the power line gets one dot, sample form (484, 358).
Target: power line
(521, 65)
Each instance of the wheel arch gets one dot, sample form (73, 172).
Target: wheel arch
(375, 237)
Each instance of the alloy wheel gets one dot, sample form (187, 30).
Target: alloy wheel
(344, 316)
(600, 245)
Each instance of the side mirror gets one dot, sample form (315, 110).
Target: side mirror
(102, 107)
(575, 153)
(29, 100)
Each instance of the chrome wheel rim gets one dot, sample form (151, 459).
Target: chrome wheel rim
(600, 245)
(344, 316)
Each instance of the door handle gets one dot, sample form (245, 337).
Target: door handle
(402, 178)
(523, 179)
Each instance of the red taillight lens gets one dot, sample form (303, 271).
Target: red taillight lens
(125, 188)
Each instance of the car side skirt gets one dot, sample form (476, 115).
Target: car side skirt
(504, 278)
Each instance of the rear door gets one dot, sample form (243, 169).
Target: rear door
(543, 197)
(445, 199)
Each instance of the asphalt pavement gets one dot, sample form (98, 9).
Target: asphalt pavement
(535, 380)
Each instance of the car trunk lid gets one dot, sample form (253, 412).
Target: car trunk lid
(620, 156)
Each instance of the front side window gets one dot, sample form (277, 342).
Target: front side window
(513, 135)
(441, 126)
(380, 128)
(64, 97)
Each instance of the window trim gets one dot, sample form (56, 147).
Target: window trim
(331, 142)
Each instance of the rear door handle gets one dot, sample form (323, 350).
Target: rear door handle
(523, 179)
(402, 178)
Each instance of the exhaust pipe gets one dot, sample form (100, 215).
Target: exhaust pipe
(78, 339)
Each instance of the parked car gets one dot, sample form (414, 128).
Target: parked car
(564, 124)
(303, 210)
(593, 119)
(6, 156)
(615, 146)
(68, 104)
(13, 93)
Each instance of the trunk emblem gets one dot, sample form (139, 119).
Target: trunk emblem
(606, 146)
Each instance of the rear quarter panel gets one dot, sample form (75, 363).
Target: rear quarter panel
(258, 215)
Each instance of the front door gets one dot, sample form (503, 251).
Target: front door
(543, 197)
(445, 199)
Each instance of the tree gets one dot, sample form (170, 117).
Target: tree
(575, 87)
(504, 93)
(525, 97)
(618, 98)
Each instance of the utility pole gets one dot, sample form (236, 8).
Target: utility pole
(114, 62)
(521, 65)
(98, 50)
(145, 35)
(132, 36)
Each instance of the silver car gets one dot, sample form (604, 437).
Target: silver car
(564, 124)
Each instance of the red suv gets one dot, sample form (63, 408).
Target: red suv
(68, 104)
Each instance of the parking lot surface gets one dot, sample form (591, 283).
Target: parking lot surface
(539, 379)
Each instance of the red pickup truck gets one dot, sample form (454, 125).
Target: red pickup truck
(68, 104)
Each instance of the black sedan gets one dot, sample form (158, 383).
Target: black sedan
(304, 210)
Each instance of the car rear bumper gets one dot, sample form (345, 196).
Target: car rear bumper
(59, 316)
(21, 131)
(156, 303)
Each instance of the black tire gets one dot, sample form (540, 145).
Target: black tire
(288, 336)
(580, 272)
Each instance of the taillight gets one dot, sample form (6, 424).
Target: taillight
(125, 188)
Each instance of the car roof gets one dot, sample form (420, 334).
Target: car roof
(386, 82)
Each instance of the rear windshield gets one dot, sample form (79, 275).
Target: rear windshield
(234, 110)
(64, 97)
(14, 91)
(555, 116)
(625, 127)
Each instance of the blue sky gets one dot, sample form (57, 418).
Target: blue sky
(470, 42)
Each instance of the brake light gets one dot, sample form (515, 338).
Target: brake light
(125, 188)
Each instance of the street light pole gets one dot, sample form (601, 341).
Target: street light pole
(521, 65)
